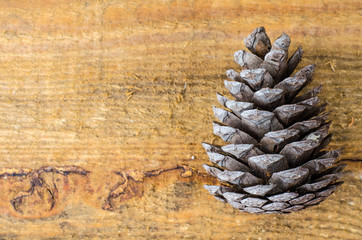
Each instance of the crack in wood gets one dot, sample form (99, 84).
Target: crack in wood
(38, 183)
(350, 160)
(5, 172)
(127, 189)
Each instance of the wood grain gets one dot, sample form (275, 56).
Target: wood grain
(128, 87)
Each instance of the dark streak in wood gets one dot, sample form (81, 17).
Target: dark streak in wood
(38, 183)
(130, 186)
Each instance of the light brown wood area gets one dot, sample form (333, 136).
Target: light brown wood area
(104, 105)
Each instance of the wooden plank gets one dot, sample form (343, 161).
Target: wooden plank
(124, 90)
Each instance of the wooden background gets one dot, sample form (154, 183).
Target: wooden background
(124, 90)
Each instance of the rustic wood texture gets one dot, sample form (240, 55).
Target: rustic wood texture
(124, 90)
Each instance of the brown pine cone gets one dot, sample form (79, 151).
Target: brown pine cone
(275, 161)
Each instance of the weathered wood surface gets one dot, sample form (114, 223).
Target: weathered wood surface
(125, 89)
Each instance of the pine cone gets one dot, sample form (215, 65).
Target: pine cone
(275, 161)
